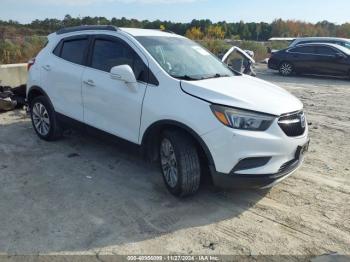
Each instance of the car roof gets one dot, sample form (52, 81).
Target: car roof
(135, 32)
(338, 47)
(148, 32)
(319, 44)
(321, 39)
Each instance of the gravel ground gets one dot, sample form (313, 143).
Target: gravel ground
(85, 195)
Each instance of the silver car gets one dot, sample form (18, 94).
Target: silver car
(330, 40)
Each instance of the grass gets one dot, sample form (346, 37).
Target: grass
(21, 49)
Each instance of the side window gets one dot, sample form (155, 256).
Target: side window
(303, 50)
(73, 50)
(108, 53)
(323, 50)
(57, 50)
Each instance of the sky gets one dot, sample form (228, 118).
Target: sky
(25, 11)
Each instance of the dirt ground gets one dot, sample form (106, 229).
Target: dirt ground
(84, 195)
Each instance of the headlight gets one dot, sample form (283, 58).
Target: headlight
(242, 119)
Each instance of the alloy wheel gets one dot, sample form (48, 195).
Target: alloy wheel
(169, 163)
(286, 69)
(41, 119)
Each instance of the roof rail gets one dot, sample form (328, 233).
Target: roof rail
(86, 27)
(166, 31)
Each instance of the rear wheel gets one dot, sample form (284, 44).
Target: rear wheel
(180, 164)
(286, 69)
(44, 119)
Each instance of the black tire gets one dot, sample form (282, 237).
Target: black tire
(187, 163)
(54, 130)
(286, 69)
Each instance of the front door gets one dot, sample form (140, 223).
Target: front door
(109, 104)
(329, 63)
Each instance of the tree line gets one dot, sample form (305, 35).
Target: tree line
(20, 42)
(196, 29)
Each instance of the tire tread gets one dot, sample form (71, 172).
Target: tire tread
(188, 161)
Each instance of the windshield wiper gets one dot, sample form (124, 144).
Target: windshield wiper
(191, 78)
(217, 75)
(186, 77)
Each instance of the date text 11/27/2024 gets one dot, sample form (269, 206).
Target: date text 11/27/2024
(173, 258)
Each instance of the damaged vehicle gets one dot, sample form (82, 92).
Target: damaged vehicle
(240, 60)
(172, 97)
(11, 98)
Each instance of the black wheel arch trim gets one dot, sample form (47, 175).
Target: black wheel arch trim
(40, 90)
(180, 125)
(286, 61)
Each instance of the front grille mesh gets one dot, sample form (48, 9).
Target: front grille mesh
(293, 124)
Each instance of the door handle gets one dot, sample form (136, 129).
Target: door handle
(89, 82)
(47, 67)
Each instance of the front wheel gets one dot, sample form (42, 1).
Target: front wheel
(180, 164)
(286, 69)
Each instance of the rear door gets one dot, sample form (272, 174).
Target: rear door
(61, 75)
(110, 104)
(303, 58)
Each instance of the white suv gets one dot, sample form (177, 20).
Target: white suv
(169, 95)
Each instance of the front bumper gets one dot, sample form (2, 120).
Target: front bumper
(273, 64)
(254, 159)
(234, 180)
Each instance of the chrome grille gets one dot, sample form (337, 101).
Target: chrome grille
(293, 124)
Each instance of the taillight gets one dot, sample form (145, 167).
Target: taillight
(31, 62)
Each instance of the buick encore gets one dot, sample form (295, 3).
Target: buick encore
(175, 99)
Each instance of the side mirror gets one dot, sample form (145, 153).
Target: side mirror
(123, 73)
(339, 56)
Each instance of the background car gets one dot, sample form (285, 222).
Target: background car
(328, 40)
(324, 59)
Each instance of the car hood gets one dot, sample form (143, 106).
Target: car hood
(244, 92)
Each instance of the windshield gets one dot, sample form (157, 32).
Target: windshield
(347, 45)
(183, 58)
(345, 50)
